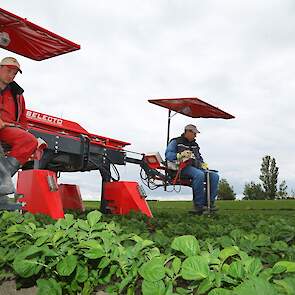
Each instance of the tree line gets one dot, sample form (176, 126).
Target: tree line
(267, 189)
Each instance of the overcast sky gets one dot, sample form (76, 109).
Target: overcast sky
(236, 55)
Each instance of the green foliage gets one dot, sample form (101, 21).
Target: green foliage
(287, 285)
(67, 265)
(153, 270)
(269, 177)
(225, 191)
(171, 254)
(255, 286)
(282, 192)
(253, 191)
(153, 288)
(195, 268)
(188, 245)
(48, 287)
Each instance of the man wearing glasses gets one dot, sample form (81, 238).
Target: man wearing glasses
(185, 148)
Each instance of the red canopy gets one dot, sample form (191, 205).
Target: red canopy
(25, 38)
(192, 107)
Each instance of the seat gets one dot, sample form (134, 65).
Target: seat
(181, 179)
(155, 161)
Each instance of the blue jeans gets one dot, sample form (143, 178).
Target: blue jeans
(198, 178)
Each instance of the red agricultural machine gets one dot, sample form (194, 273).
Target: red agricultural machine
(68, 147)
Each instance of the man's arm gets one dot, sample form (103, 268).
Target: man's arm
(23, 121)
(202, 163)
(200, 158)
(171, 151)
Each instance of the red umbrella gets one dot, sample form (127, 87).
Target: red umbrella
(27, 39)
(191, 107)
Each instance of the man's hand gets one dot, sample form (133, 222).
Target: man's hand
(5, 124)
(204, 166)
(185, 155)
(2, 124)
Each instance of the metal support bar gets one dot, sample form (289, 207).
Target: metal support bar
(133, 160)
(105, 172)
(168, 138)
(85, 151)
(168, 127)
(208, 189)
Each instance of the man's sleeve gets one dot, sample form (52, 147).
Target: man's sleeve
(23, 121)
(171, 151)
(201, 158)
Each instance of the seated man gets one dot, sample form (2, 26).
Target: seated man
(13, 128)
(195, 169)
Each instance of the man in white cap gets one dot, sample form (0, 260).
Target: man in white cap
(186, 146)
(13, 128)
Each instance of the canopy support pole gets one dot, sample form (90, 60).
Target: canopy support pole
(168, 127)
(168, 135)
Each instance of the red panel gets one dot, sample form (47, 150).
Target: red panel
(153, 160)
(40, 191)
(71, 197)
(53, 124)
(125, 196)
(30, 40)
(192, 107)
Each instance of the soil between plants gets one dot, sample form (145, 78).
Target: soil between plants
(9, 288)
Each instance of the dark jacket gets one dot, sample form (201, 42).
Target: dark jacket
(180, 144)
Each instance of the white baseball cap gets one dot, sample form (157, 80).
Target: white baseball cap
(10, 61)
(192, 128)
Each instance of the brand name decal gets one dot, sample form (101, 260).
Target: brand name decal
(44, 118)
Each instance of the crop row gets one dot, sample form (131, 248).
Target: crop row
(80, 256)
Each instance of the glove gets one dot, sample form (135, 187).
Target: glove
(204, 166)
(185, 155)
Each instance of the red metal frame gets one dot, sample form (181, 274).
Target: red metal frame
(125, 196)
(71, 197)
(51, 124)
(41, 192)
